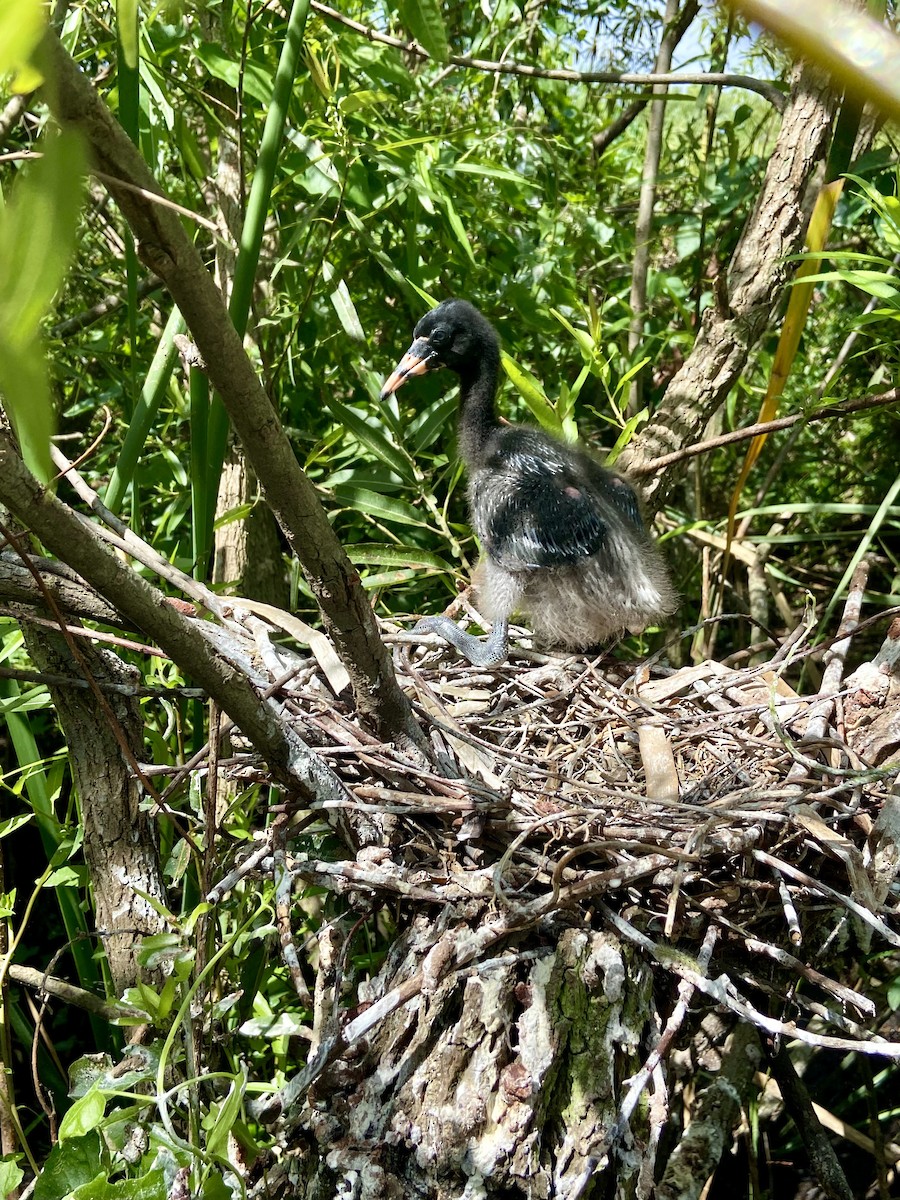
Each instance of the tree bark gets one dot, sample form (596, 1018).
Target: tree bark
(756, 279)
(500, 1078)
(119, 837)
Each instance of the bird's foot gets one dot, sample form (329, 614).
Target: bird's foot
(486, 653)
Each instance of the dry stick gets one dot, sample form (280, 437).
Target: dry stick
(121, 689)
(846, 995)
(168, 251)
(767, 90)
(125, 539)
(823, 888)
(723, 991)
(835, 661)
(821, 1153)
(74, 597)
(827, 413)
(40, 981)
(639, 1081)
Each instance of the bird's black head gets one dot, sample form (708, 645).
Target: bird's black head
(453, 335)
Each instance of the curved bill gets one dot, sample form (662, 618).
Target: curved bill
(420, 358)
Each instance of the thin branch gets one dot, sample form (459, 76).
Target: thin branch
(821, 1153)
(62, 531)
(103, 308)
(38, 981)
(827, 413)
(688, 78)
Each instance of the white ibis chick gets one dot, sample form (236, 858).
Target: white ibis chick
(563, 540)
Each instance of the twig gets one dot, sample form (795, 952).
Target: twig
(39, 981)
(818, 886)
(110, 302)
(118, 534)
(763, 88)
(826, 413)
(790, 913)
(846, 995)
(835, 660)
(639, 1081)
(723, 991)
(820, 1151)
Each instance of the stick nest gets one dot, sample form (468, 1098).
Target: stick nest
(670, 803)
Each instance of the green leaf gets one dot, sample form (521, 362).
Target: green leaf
(626, 435)
(22, 25)
(11, 1175)
(532, 393)
(424, 21)
(377, 554)
(151, 1186)
(374, 504)
(584, 339)
(491, 172)
(364, 99)
(70, 1165)
(84, 1115)
(458, 228)
(434, 422)
(217, 1141)
(630, 374)
(343, 305)
(373, 439)
(37, 236)
(127, 20)
(255, 79)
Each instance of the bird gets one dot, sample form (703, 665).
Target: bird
(563, 538)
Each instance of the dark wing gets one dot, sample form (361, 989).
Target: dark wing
(550, 505)
(614, 490)
(541, 515)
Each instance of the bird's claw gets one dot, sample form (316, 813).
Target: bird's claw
(480, 653)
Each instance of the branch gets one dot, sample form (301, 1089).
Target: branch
(168, 251)
(769, 91)
(62, 531)
(102, 308)
(826, 413)
(18, 585)
(717, 1111)
(822, 1157)
(757, 275)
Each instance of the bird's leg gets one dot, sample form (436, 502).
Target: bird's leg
(487, 653)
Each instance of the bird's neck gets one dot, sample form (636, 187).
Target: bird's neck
(477, 415)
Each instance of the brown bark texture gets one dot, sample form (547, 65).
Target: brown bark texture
(756, 278)
(119, 835)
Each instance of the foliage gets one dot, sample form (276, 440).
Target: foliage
(392, 181)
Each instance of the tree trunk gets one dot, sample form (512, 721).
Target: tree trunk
(757, 275)
(500, 1078)
(104, 740)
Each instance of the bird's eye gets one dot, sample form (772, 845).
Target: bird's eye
(439, 337)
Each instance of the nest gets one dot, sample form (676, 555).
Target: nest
(708, 808)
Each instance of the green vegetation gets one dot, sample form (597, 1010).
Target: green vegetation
(338, 182)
